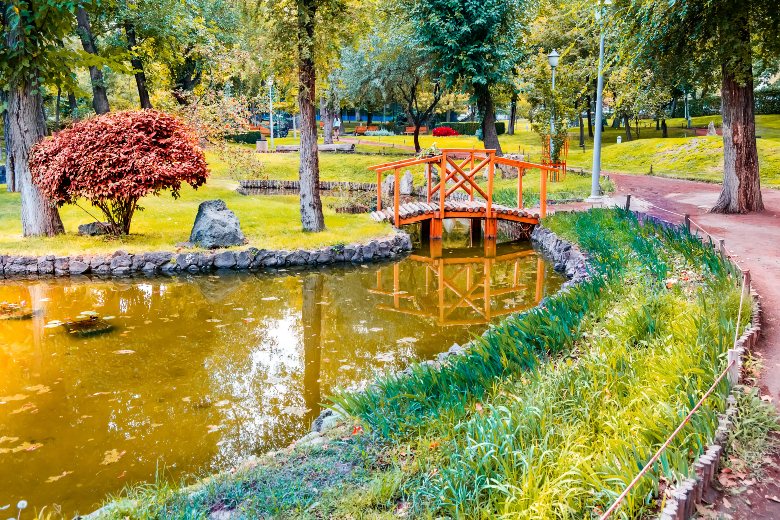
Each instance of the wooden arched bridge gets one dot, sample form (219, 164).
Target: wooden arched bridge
(457, 172)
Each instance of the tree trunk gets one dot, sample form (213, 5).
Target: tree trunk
(512, 114)
(187, 77)
(627, 122)
(73, 105)
(582, 131)
(138, 67)
(309, 171)
(326, 116)
(369, 118)
(657, 124)
(488, 113)
(99, 96)
(9, 170)
(590, 119)
(26, 127)
(311, 321)
(417, 147)
(674, 107)
(741, 191)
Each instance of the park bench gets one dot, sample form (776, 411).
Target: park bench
(361, 130)
(265, 131)
(335, 147)
(409, 130)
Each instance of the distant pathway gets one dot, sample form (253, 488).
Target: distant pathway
(754, 241)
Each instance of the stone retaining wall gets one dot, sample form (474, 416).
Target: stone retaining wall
(122, 263)
(270, 184)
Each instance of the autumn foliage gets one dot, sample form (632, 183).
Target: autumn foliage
(115, 159)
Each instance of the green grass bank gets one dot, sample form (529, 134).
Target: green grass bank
(550, 415)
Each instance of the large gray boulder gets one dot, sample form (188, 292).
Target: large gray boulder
(94, 229)
(406, 185)
(216, 226)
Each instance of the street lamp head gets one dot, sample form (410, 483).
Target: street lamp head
(553, 58)
(271, 81)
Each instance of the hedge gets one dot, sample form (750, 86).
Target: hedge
(767, 101)
(246, 137)
(471, 128)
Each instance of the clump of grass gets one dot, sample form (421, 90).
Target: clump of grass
(752, 432)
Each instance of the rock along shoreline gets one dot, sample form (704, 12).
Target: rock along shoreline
(121, 263)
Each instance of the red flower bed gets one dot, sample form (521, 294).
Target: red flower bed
(444, 131)
(115, 159)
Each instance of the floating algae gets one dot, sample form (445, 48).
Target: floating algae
(15, 311)
(88, 324)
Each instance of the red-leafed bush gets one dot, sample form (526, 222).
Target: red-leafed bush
(115, 159)
(444, 131)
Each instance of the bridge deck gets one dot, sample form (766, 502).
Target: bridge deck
(411, 212)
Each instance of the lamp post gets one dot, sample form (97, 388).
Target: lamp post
(687, 109)
(553, 58)
(595, 189)
(271, 109)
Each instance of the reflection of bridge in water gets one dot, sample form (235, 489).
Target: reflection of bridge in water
(465, 288)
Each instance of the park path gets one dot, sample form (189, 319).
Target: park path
(754, 241)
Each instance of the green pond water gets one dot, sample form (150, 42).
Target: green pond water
(198, 372)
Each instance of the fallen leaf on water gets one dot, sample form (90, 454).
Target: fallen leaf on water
(53, 324)
(124, 352)
(109, 317)
(16, 397)
(8, 439)
(122, 475)
(186, 399)
(213, 428)
(3, 508)
(26, 407)
(112, 456)
(213, 320)
(38, 389)
(248, 320)
(55, 478)
(89, 313)
(147, 322)
(222, 403)
(27, 446)
(269, 298)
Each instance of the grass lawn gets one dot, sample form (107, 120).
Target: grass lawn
(270, 222)
(680, 155)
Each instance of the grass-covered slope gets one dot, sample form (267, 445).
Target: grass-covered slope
(549, 416)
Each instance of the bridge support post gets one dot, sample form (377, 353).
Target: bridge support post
(436, 249)
(490, 248)
(437, 228)
(476, 231)
(491, 228)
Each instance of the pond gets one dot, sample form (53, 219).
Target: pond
(190, 374)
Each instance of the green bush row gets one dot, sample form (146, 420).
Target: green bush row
(470, 128)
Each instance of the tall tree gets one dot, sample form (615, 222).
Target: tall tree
(721, 38)
(32, 32)
(486, 34)
(312, 218)
(138, 66)
(99, 94)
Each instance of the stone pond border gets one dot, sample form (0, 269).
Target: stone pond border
(121, 263)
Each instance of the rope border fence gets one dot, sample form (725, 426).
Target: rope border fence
(684, 498)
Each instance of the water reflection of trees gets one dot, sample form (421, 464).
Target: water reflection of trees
(222, 367)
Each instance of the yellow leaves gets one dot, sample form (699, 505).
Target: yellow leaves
(26, 407)
(25, 446)
(55, 478)
(38, 389)
(15, 397)
(112, 456)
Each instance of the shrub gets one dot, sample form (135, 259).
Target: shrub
(470, 128)
(444, 131)
(115, 159)
(379, 133)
